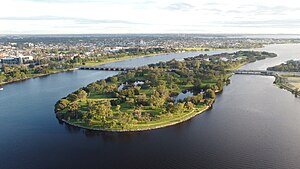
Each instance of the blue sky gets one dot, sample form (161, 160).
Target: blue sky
(149, 16)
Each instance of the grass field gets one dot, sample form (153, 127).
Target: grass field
(164, 121)
(294, 81)
(110, 60)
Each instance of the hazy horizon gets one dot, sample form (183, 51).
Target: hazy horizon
(149, 17)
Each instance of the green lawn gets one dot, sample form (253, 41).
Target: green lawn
(163, 121)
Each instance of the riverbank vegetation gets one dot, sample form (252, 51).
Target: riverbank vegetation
(15, 73)
(46, 66)
(289, 66)
(288, 81)
(153, 96)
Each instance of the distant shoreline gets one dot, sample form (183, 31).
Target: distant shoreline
(73, 69)
(100, 63)
(36, 76)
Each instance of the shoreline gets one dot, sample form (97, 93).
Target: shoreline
(36, 76)
(76, 68)
(155, 124)
(127, 58)
(137, 130)
(284, 86)
(145, 129)
(103, 63)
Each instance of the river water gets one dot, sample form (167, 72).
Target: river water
(253, 124)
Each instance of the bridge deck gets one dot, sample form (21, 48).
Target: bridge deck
(255, 72)
(106, 68)
(240, 71)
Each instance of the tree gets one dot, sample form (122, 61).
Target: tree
(113, 79)
(141, 100)
(62, 104)
(178, 108)
(197, 99)
(102, 83)
(170, 107)
(220, 84)
(103, 110)
(189, 105)
(118, 108)
(197, 84)
(210, 94)
(73, 107)
(82, 94)
(94, 87)
(72, 97)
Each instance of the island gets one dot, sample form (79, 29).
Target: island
(153, 96)
(288, 77)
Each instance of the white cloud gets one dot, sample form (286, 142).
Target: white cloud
(149, 16)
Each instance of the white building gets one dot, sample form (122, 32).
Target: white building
(13, 60)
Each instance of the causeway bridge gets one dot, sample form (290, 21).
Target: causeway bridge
(119, 68)
(255, 72)
(103, 68)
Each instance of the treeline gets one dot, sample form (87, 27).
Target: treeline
(250, 56)
(21, 72)
(289, 66)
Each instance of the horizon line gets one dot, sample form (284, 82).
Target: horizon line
(4, 34)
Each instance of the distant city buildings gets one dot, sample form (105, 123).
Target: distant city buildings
(14, 60)
(65, 48)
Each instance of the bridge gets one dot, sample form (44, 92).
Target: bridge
(102, 68)
(255, 72)
(239, 71)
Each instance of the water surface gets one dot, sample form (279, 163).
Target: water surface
(253, 124)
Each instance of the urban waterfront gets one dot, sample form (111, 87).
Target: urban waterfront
(253, 124)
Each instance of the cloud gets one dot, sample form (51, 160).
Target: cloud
(276, 10)
(64, 1)
(180, 7)
(76, 20)
(265, 23)
(90, 1)
(264, 10)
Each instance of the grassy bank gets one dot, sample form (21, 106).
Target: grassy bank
(111, 60)
(163, 122)
(288, 82)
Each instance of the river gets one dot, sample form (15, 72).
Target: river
(253, 124)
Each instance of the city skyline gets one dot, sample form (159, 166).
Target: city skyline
(131, 16)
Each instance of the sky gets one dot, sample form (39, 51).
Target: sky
(149, 16)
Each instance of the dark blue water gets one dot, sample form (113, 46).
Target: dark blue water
(253, 124)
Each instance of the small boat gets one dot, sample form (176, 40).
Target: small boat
(1, 88)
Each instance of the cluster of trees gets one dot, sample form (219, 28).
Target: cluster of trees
(118, 102)
(289, 66)
(249, 56)
(14, 73)
(21, 72)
